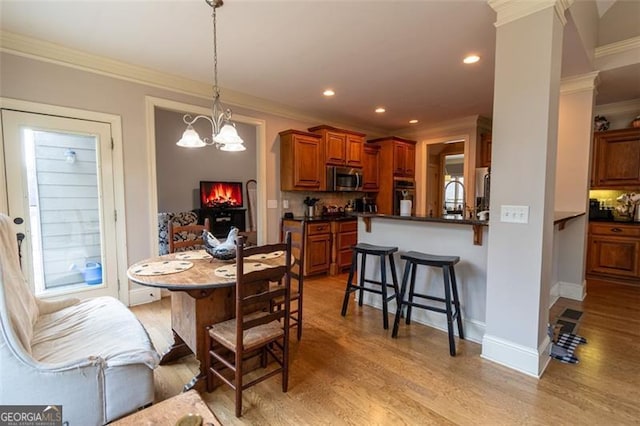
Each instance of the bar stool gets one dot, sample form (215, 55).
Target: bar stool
(369, 249)
(412, 260)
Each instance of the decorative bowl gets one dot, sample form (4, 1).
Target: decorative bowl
(221, 253)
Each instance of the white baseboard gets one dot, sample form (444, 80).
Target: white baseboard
(139, 296)
(526, 360)
(473, 329)
(554, 294)
(572, 291)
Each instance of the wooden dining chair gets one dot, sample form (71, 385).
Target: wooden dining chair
(256, 330)
(297, 231)
(188, 237)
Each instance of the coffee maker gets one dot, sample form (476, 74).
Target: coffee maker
(366, 205)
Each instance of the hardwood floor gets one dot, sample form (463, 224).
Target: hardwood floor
(350, 371)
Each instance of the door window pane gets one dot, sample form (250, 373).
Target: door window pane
(64, 208)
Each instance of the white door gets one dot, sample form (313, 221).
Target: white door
(59, 180)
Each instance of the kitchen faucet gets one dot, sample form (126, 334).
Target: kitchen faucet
(464, 205)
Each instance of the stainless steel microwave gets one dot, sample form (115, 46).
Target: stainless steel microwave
(344, 179)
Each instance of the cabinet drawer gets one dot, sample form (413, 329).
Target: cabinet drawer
(614, 229)
(318, 228)
(348, 226)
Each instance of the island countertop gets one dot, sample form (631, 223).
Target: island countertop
(454, 219)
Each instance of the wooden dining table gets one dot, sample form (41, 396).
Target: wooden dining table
(202, 293)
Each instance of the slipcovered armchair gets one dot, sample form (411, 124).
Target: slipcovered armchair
(180, 219)
(93, 357)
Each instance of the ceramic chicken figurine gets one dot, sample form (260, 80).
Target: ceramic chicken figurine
(226, 250)
(210, 241)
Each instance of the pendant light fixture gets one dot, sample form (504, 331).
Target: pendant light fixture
(224, 135)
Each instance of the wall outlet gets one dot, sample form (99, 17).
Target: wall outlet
(514, 214)
(272, 204)
(285, 204)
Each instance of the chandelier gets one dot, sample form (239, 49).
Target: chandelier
(224, 135)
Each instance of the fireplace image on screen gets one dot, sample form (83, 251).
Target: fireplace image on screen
(222, 203)
(220, 195)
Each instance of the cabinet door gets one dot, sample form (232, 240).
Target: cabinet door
(399, 158)
(614, 256)
(307, 163)
(485, 150)
(410, 161)
(617, 158)
(335, 148)
(371, 168)
(317, 254)
(346, 239)
(353, 150)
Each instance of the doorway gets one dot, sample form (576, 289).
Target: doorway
(60, 188)
(257, 191)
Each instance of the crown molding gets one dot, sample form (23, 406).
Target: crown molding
(579, 83)
(512, 10)
(454, 126)
(618, 47)
(45, 51)
(626, 107)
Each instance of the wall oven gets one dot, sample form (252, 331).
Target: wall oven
(344, 179)
(403, 189)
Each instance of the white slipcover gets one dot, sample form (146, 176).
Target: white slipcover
(93, 357)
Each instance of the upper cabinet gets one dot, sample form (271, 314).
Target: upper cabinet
(301, 161)
(399, 154)
(371, 168)
(616, 159)
(484, 151)
(341, 147)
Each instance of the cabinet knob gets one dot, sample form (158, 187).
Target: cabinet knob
(616, 230)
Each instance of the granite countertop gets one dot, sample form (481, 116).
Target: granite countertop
(564, 216)
(455, 219)
(614, 222)
(322, 218)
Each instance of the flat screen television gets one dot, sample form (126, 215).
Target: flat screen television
(217, 194)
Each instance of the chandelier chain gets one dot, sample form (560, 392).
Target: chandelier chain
(216, 90)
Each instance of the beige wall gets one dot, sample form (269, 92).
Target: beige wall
(179, 171)
(43, 82)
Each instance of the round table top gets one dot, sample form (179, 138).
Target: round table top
(198, 277)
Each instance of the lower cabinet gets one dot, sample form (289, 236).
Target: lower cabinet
(614, 251)
(317, 250)
(327, 244)
(345, 235)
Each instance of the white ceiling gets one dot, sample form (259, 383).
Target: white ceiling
(403, 55)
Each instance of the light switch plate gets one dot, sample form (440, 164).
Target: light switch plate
(514, 214)
(272, 204)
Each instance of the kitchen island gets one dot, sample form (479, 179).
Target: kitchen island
(435, 235)
(456, 236)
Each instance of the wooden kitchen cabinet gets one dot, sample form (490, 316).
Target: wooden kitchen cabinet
(484, 157)
(397, 160)
(341, 147)
(301, 161)
(327, 243)
(317, 250)
(616, 159)
(371, 168)
(404, 159)
(614, 251)
(345, 235)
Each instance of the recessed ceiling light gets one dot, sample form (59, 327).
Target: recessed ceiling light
(414, 121)
(380, 110)
(471, 59)
(329, 92)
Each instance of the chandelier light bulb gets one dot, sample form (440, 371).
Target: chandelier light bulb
(224, 134)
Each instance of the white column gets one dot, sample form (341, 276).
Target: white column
(525, 129)
(575, 132)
